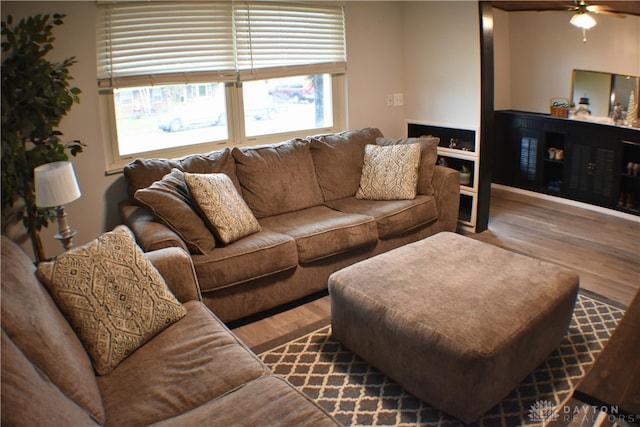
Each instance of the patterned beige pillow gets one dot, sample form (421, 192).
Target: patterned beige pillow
(428, 159)
(112, 296)
(222, 206)
(389, 172)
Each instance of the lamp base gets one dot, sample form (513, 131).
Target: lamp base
(65, 233)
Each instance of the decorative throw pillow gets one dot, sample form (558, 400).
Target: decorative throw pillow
(112, 296)
(389, 172)
(222, 205)
(171, 203)
(428, 159)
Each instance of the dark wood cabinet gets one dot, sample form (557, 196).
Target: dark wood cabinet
(592, 171)
(582, 161)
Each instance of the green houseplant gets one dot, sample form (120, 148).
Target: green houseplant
(36, 95)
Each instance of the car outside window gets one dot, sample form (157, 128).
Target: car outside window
(168, 116)
(287, 104)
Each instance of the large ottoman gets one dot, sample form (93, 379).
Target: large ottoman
(457, 322)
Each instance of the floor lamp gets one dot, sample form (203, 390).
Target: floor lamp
(56, 185)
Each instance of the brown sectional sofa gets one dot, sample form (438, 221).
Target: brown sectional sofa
(194, 372)
(303, 194)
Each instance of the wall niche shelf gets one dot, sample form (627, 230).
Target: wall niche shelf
(458, 147)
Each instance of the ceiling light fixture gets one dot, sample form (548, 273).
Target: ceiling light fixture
(582, 19)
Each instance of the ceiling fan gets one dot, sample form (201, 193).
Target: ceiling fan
(582, 18)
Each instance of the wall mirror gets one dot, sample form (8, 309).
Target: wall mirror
(604, 90)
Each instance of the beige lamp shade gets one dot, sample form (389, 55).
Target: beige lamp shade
(55, 184)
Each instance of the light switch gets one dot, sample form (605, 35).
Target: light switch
(398, 100)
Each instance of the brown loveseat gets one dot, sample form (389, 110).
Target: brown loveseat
(194, 372)
(302, 193)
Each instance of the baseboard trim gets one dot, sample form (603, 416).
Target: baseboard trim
(569, 202)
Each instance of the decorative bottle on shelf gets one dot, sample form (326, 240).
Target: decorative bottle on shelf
(632, 111)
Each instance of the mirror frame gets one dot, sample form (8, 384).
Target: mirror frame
(602, 90)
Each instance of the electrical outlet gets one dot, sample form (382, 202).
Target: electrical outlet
(398, 100)
(390, 100)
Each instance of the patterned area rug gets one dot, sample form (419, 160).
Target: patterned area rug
(358, 394)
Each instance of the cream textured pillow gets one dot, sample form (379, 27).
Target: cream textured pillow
(389, 172)
(428, 159)
(112, 296)
(222, 206)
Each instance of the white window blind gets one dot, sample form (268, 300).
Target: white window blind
(141, 43)
(271, 36)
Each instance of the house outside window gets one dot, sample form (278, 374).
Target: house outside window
(228, 75)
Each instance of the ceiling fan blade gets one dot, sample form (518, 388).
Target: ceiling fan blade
(604, 10)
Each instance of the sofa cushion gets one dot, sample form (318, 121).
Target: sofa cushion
(258, 255)
(170, 201)
(112, 295)
(31, 318)
(393, 217)
(188, 364)
(389, 172)
(267, 401)
(141, 173)
(29, 398)
(428, 159)
(338, 161)
(214, 162)
(277, 179)
(222, 206)
(321, 232)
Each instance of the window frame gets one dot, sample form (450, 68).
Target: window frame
(233, 81)
(235, 126)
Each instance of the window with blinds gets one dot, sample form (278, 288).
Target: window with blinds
(176, 77)
(158, 42)
(271, 36)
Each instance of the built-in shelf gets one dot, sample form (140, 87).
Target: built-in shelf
(458, 147)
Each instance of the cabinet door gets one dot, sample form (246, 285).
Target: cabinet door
(528, 159)
(592, 172)
(515, 160)
(604, 174)
(581, 168)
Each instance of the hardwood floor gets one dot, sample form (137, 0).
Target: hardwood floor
(279, 328)
(604, 249)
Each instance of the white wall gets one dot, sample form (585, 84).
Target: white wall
(537, 52)
(427, 50)
(375, 64)
(442, 62)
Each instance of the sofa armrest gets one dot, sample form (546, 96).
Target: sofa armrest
(175, 266)
(446, 183)
(150, 234)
